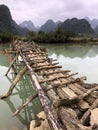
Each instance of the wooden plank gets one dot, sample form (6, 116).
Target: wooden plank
(69, 92)
(86, 115)
(82, 105)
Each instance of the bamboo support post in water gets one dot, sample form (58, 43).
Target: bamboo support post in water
(30, 98)
(17, 78)
(12, 64)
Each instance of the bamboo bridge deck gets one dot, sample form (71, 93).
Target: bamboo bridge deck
(67, 101)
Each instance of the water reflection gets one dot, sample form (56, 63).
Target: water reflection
(3, 59)
(21, 92)
(72, 50)
(77, 58)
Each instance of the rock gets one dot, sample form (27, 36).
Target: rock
(41, 115)
(44, 124)
(94, 117)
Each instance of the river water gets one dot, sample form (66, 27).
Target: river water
(77, 58)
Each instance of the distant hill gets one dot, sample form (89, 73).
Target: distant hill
(78, 26)
(49, 26)
(96, 29)
(7, 24)
(58, 23)
(29, 25)
(93, 22)
(88, 19)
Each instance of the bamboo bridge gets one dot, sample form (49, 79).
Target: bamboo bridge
(68, 102)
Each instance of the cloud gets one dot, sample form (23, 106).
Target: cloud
(40, 10)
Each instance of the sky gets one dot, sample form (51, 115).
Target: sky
(39, 11)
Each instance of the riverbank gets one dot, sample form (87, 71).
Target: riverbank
(85, 40)
(69, 40)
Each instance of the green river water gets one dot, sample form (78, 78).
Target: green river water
(77, 58)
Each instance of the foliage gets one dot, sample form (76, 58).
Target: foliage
(5, 37)
(51, 37)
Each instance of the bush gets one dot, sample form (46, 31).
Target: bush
(5, 37)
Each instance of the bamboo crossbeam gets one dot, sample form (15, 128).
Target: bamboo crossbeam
(37, 59)
(47, 67)
(54, 78)
(46, 64)
(34, 53)
(67, 83)
(41, 60)
(54, 72)
(88, 92)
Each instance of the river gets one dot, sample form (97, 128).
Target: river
(77, 58)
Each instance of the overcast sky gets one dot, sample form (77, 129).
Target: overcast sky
(38, 11)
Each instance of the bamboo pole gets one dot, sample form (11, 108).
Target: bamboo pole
(88, 92)
(30, 98)
(56, 77)
(11, 64)
(54, 125)
(17, 78)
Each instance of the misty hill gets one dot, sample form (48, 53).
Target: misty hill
(93, 22)
(96, 29)
(49, 26)
(7, 24)
(78, 26)
(29, 25)
(58, 23)
(88, 19)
